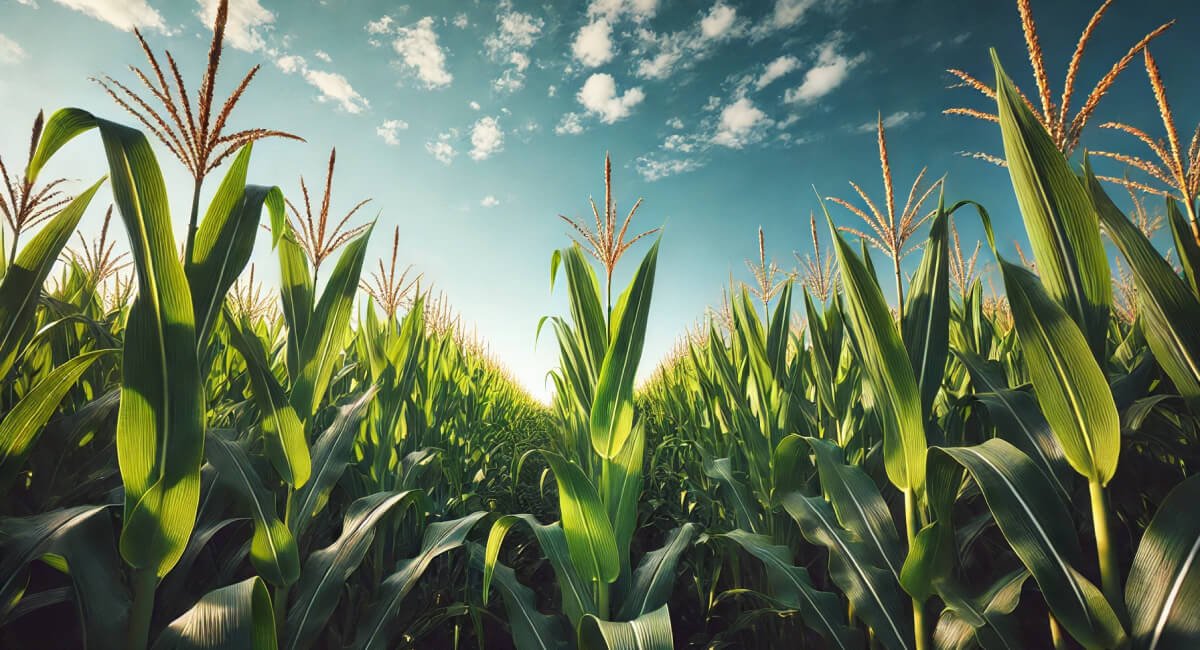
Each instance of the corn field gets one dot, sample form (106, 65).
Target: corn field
(191, 459)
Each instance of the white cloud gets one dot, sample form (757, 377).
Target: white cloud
(675, 123)
(442, 149)
(593, 44)
(122, 14)
(390, 130)
(786, 13)
(680, 142)
(419, 50)
(718, 22)
(892, 120)
(11, 51)
(247, 21)
(323, 55)
(486, 138)
(740, 124)
(599, 96)
(336, 88)
(776, 69)
(689, 46)
(653, 169)
(638, 10)
(831, 69)
(570, 124)
(290, 63)
(516, 33)
(474, 106)
(460, 21)
(381, 26)
(489, 201)
(332, 86)
(551, 90)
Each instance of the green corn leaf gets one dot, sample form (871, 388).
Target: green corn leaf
(531, 629)
(440, 537)
(1070, 386)
(1163, 299)
(985, 619)
(224, 242)
(326, 571)
(296, 293)
(283, 433)
(273, 550)
(22, 284)
(655, 576)
(886, 365)
(21, 426)
(331, 455)
(1062, 225)
(237, 617)
(873, 590)
(622, 490)
(1163, 592)
(745, 508)
(160, 422)
(325, 335)
(1186, 245)
(647, 632)
(25, 539)
(1038, 527)
(587, 312)
(926, 326)
(612, 409)
(858, 505)
(590, 537)
(791, 585)
(576, 594)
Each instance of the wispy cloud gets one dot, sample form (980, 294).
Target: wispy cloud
(489, 201)
(442, 148)
(331, 86)
(891, 120)
(776, 69)
(390, 130)
(570, 124)
(830, 70)
(689, 46)
(11, 51)
(510, 43)
(122, 14)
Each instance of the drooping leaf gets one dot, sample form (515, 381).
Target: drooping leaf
(1163, 591)
(236, 617)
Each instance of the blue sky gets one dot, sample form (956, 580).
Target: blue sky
(472, 125)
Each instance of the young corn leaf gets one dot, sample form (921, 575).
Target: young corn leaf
(791, 585)
(1070, 386)
(237, 617)
(296, 294)
(1038, 528)
(655, 576)
(21, 287)
(273, 550)
(985, 620)
(612, 408)
(1163, 299)
(1186, 245)
(1163, 592)
(440, 537)
(283, 433)
(647, 632)
(21, 426)
(576, 594)
(872, 590)
(331, 455)
(531, 629)
(326, 333)
(887, 367)
(1062, 225)
(327, 570)
(590, 537)
(926, 325)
